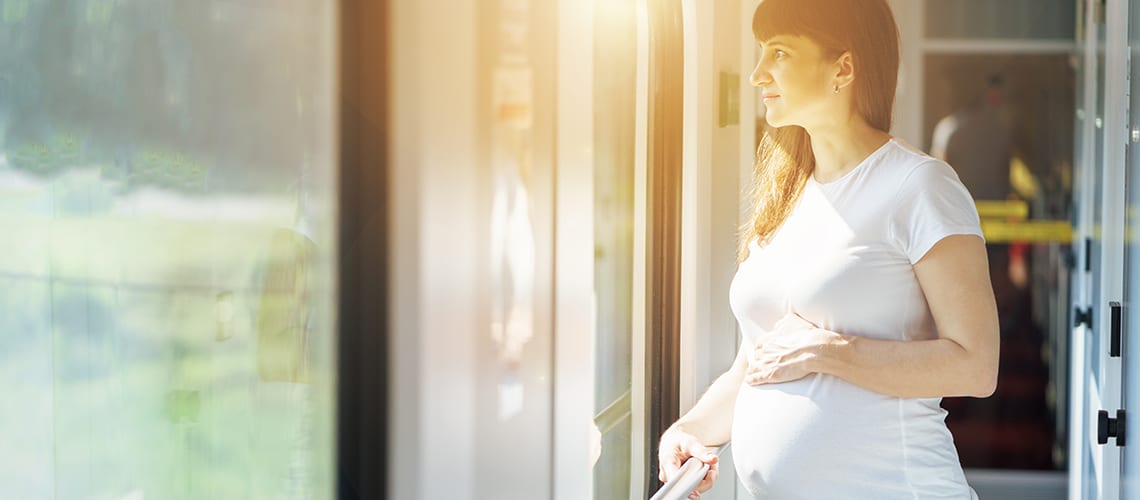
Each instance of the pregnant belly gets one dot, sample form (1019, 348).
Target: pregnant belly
(817, 436)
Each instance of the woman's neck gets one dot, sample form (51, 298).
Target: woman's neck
(840, 149)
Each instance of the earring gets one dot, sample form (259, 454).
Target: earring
(837, 88)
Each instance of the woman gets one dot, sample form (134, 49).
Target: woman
(862, 293)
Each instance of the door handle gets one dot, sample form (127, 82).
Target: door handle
(1110, 427)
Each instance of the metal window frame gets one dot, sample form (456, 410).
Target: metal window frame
(663, 222)
(362, 395)
(641, 456)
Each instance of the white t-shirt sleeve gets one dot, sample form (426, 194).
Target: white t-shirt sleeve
(931, 204)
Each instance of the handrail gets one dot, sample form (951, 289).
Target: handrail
(688, 477)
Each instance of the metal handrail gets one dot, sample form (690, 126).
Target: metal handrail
(688, 477)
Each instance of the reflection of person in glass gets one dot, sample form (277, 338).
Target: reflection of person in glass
(978, 144)
(862, 293)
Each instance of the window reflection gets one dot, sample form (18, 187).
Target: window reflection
(513, 245)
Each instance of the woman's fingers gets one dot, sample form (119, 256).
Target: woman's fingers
(756, 379)
(669, 457)
(674, 451)
(710, 478)
(669, 469)
(754, 374)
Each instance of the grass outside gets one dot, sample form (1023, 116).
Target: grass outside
(152, 358)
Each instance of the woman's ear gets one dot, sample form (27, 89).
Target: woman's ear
(845, 70)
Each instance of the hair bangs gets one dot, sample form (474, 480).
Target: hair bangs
(813, 19)
(780, 17)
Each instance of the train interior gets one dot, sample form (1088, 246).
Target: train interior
(481, 249)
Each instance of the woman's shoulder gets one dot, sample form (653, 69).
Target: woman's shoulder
(907, 164)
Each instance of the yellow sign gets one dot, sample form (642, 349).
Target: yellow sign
(1039, 231)
(1002, 209)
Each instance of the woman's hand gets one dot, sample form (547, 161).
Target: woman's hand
(786, 353)
(675, 448)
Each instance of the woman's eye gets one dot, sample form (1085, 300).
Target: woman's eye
(781, 54)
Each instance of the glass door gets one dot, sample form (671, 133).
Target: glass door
(1097, 365)
(995, 101)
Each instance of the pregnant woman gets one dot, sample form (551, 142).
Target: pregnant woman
(862, 292)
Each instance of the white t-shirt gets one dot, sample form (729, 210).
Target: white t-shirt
(844, 261)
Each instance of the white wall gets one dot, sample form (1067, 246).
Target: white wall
(909, 95)
(713, 161)
(710, 198)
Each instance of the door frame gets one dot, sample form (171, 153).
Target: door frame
(1101, 390)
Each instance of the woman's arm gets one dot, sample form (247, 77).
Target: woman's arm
(707, 425)
(962, 361)
(710, 420)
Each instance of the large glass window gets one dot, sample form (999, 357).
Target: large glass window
(166, 206)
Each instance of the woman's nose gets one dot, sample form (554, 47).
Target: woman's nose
(760, 76)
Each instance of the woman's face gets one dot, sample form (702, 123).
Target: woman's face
(796, 81)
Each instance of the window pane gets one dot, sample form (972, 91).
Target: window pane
(166, 206)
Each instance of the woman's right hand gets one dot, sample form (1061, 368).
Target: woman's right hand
(675, 448)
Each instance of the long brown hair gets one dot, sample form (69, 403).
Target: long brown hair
(784, 158)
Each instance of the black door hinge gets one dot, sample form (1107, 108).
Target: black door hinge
(1110, 427)
(1082, 316)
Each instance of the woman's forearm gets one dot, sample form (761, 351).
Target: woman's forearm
(909, 369)
(710, 420)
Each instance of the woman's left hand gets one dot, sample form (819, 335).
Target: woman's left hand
(785, 353)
